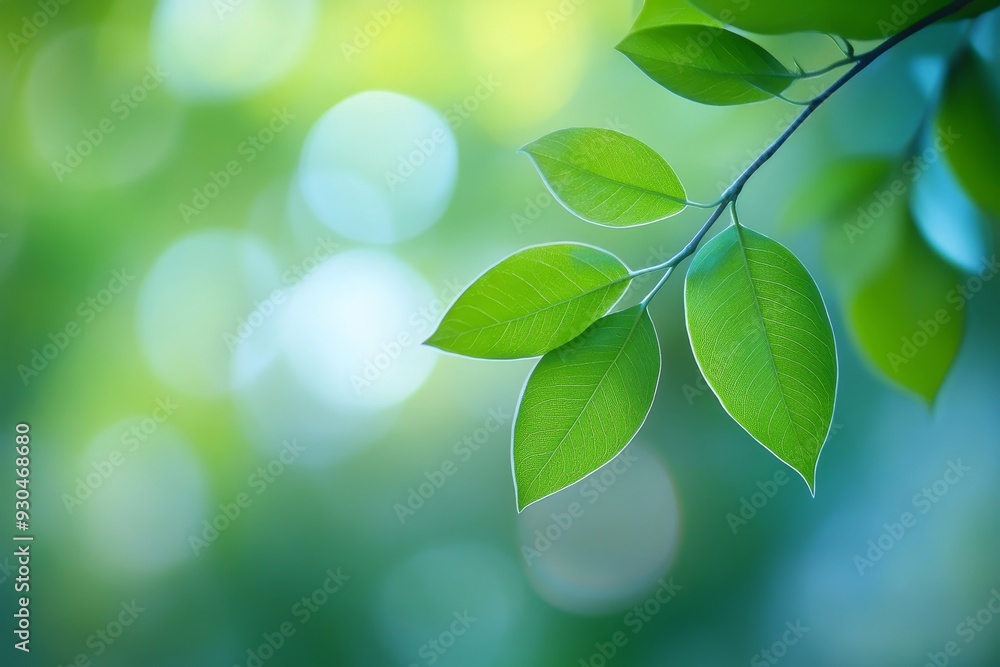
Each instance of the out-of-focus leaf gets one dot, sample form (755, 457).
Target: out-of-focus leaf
(763, 340)
(832, 194)
(860, 203)
(951, 224)
(607, 177)
(707, 64)
(908, 318)
(655, 13)
(871, 19)
(532, 302)
(970, 114)
(583, 403)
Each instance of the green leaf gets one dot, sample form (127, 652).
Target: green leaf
(859, 203)
(871, 19)
(532, 302)
(970, 116)
(762, 337)
(908, 318)
(607, 177)
(706, 64)
(833, 194)
(655, 13)
(583, 403)
(892, 280)
(855, 250)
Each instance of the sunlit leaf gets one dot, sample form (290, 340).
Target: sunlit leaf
(908, 318)
(707, 64)
(655, 13)
(891, 278)
(607, 177)
(532, 302)
(583, 403)
(970, 114)
(763, 340)
(871, 19)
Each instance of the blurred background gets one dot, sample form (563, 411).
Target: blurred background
(226, 226)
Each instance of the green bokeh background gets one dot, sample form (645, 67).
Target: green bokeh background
(335, 506)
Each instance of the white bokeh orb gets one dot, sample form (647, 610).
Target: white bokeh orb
(97, 111)
(209, 312)
(603, 543)
(275, 407)
(230, 48)
(350, 335)
(379, 167)
(143, 494)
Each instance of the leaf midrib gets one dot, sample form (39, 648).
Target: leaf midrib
(579, 415)
(498, 323)
(786, 74)
(663, 195)
(770, 350)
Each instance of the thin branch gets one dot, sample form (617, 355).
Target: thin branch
(733, 191)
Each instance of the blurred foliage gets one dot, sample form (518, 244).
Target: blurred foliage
(434, 435)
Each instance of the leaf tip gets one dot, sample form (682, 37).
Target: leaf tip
(526, 150)
(929, 398)
(432, 341)
(439, 342)
(521, 502)
(808, 476)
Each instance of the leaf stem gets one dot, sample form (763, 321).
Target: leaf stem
(711, 204)
(652, 293)
(801, 103)
(851, 60)
(692, 204)
(736, 217)
(733, 191)
(846, 47)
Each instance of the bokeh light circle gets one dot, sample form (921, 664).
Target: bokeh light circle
(229, 48)
(276, 407)
(349, 331)
(379, 167)
(209, 312)
(96, 108)
(604, 542)
(523, 82)
(143, 495)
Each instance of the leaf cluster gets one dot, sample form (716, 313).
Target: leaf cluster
(758, 326)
